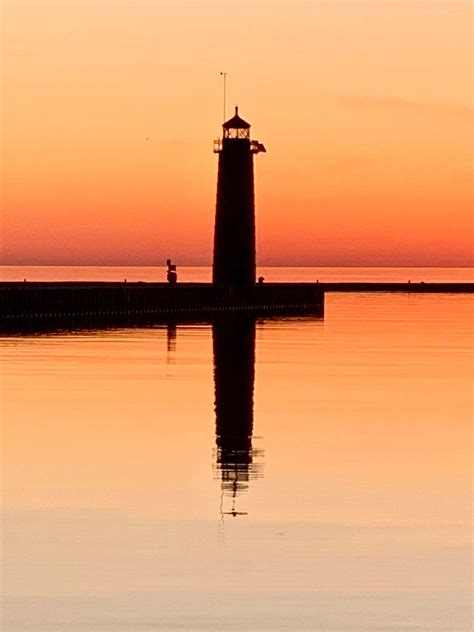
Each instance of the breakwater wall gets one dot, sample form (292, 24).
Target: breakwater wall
(411, 288)
(47, 306)
(44, 306)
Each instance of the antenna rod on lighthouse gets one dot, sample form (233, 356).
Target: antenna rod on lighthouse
(224, 74)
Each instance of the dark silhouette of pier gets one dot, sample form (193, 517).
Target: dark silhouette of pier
(30, 307)
(50, 306)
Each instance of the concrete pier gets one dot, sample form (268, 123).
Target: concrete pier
(36, 306)
(49, 306)
(415, 288)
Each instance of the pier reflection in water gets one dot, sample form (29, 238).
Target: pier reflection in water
(237, 461)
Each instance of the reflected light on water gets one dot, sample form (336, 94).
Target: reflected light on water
(124, 449)
(237, 461)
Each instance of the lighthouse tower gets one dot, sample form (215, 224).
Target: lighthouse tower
(234, 235)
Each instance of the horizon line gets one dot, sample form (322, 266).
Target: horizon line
(188, 265)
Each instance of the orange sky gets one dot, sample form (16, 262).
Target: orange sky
(365, 109)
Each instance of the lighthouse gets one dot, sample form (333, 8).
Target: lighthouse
(234, 233)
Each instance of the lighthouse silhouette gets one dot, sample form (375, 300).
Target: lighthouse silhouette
(234, 234)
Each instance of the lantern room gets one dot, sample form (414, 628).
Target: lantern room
(236, 127)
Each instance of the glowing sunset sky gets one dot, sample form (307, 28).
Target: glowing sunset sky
(110, 109)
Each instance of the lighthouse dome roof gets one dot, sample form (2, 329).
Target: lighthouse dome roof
(236, 122)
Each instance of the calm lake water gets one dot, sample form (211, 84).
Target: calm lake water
(292, 474)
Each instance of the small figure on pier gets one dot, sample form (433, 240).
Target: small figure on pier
(171, 275)
(261, 280)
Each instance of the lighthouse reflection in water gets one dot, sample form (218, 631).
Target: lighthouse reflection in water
(237, 461)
